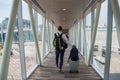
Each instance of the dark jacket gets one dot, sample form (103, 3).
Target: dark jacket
(74, 54)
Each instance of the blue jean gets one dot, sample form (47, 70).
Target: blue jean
(59, 54)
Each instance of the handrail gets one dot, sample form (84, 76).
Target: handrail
(92, 2)
(38, 5)
(89, 5)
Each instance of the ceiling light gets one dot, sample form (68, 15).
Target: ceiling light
(64, 9)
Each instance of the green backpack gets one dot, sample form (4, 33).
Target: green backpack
(58, 42)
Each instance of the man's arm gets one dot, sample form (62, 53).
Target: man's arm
(65, 39)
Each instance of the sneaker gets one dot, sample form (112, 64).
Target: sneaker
(77, 71)
(57, 65)
(70, 71)
(60, 70)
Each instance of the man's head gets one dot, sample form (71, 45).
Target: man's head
(60, 28)
(73, 46)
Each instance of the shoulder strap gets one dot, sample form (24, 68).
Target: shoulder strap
(61, 34)
(55, 35)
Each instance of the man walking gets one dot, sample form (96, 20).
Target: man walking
(60, 43)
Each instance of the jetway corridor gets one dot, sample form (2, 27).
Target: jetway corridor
(49, 71)
(27, 30)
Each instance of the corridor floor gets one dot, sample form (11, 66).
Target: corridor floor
(49, 71)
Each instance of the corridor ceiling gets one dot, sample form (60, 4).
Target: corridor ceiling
(61, 12)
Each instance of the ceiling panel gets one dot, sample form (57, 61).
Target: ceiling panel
(66, 18)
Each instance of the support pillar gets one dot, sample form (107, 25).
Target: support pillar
(21, 42)
(94, 32)
(36, 28)
(34, 32)
(92, 23)
(79, 36)
(108, 41)
(85, 45)
(8, 42)
(43, 38)
(49, 40)
(82, 38)
(116, 11)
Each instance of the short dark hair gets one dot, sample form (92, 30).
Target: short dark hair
(60, 28)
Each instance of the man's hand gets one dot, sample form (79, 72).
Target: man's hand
(68, 61)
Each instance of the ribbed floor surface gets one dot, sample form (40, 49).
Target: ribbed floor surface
(49, 71)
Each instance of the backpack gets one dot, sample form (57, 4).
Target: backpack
(58, 42)
(74, 54)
